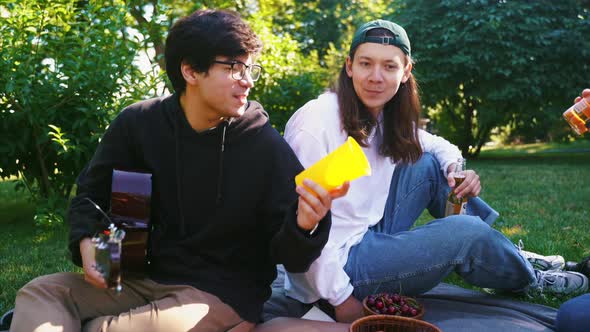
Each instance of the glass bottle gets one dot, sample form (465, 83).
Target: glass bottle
(577, 116)
(454, 204)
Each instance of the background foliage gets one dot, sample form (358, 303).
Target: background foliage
(67, 68)
(487, 64)
(503, 68)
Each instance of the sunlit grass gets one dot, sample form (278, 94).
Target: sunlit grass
(513, 231)
(542, 197)
(578, 145)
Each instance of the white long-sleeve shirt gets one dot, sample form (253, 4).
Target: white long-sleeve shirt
(314, 131)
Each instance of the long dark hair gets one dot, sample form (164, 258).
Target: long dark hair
(401, 115)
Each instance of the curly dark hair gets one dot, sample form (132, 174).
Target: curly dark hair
(198, 38)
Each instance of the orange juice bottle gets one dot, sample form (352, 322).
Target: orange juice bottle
(577, 116)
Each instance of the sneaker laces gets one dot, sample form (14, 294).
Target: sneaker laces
(551, 280)
(521, 251)
(520, 245)
(525, 254)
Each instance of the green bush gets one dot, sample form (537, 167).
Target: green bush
(67, 70)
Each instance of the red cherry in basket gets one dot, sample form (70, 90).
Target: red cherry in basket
(378, 304)
(391, 310)
(405, 309)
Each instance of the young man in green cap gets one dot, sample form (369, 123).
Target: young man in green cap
(371, 247)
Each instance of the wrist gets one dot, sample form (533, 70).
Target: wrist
(345, 294)
(311, 231)
(308, 232)
(451, 168)
(87, 251)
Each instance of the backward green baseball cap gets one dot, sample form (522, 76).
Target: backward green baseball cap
(399, 39)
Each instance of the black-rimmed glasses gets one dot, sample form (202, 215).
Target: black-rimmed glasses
(239, 69)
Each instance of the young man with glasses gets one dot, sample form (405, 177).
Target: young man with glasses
(224, 210)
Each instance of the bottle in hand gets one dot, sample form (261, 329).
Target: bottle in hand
(457, 205)
(578, 115)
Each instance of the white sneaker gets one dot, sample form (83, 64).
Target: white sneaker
(560, 282)
(540, 262)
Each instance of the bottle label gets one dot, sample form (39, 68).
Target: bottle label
(583, 109)
(456, 208)
(577, 123)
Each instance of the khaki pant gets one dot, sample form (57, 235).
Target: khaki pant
(65, 302)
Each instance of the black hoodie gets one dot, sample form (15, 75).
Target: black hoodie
(223, 201)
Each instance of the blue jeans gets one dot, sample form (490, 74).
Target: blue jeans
(574, 315)
(393, 258)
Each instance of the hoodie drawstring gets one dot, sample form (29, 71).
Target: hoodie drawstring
(219, 198)
(224, 125)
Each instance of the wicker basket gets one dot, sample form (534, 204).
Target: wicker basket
(369, 312)
(387, 323)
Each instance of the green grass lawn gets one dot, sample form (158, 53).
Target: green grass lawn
(26, 251)
(540, 191)
(537, 150)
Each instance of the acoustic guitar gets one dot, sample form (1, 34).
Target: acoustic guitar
(121, 250)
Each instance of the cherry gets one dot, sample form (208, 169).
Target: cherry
(405, 309)
(379, 304)
(393, 304)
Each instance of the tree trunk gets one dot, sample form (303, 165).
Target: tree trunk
(467, 130)
(482, 137)
(153, 36)
(45, 186)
